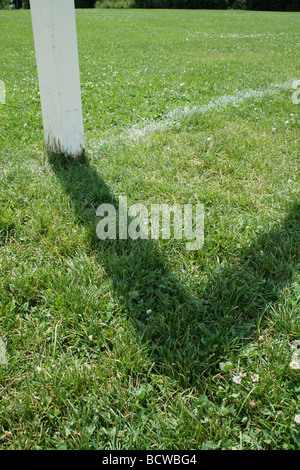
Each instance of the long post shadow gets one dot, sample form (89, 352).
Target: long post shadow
(186, 336)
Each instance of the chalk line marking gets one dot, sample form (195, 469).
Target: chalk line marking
(177, 115)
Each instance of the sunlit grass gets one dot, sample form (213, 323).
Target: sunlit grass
(119, 344)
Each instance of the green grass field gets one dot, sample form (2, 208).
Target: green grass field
(143, 344)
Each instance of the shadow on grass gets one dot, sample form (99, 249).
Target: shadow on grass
(186, 336)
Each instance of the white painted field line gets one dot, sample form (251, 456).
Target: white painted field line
(177, 115)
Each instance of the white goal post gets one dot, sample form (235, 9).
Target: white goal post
(55, 39)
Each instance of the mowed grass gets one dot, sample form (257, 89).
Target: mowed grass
(140, 344)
